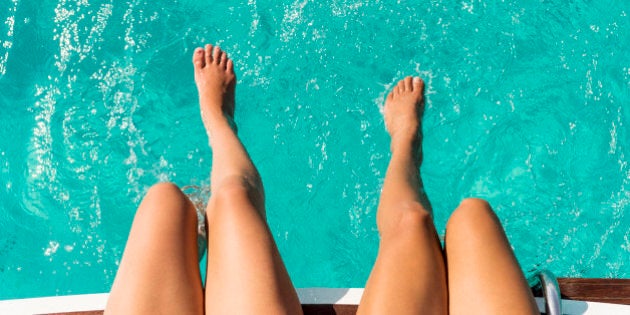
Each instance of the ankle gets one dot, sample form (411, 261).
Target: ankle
(405, 143)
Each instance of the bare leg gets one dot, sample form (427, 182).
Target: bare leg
(409, 274)
(245, 272)
(159, 271)
(483, 274)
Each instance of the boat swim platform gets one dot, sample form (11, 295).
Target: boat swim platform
(580, 296)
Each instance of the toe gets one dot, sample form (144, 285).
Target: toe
(224, 59)
(198, 58)
(216, 54)
(229, 66)
(208, 54)
(418, 84)
(408, 84)
(390, 96)
(401, 86)
(396, 91)
(219, 58)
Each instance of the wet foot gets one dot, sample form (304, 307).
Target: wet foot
(215, 79)
(403, 107)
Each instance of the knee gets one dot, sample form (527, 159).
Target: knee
(165, 210)
(165, 197)
(233, 188)
(409, 220)
(166, 189)
(236, 192)
(165, 192)
(469, 213)
(475, 204)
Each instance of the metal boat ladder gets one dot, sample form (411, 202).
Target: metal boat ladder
(551, 291)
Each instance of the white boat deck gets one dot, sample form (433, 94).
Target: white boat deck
(346, 296)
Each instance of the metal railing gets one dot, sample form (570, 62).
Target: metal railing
(551, 291)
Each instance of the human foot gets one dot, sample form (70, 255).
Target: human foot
(403, 107)
(215, 79)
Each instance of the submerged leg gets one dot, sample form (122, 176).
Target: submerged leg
(245, 272)
(483, 274)
(159, 271)
(409, 274)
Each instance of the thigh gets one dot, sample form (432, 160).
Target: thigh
(245, 272)
(408, 276)
(159, 270)
(483, 274)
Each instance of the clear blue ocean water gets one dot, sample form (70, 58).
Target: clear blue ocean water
(527, 105)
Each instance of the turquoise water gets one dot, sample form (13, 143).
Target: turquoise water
(527, 106)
